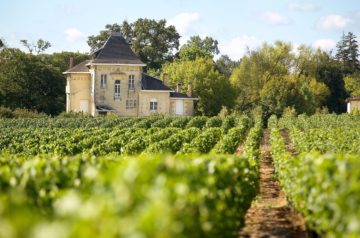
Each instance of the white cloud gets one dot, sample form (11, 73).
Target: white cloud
(324, 44)
(333, 21)
(73, 34)
(305, 7)
(275, 18)
(236, 48)
(183, 21)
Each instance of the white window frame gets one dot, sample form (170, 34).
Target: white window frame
(117, 88)
(130, 103)
(153, 105)
(103, 81)
(131, 82)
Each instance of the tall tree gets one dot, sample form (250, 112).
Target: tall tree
(353, 50)
(226, 65)
(39, 47)
(197, 47)
(348, 53)
(27, 81)
(212, 88)
(151, 40)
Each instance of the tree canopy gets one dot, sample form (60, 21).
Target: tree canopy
(27, 81)
(348, 53)
(39, 47)
(212, 88)
(272, 77)
(151, 40)
(197, 47)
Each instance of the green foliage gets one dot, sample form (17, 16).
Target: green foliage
(348, 53)
(196, 47)
(153, 41)
(151, 196)
(197, 121)
(6, 112)
(225, 65)
(39, 47)
(204, 142)
(213, 122)
(274, 78)
(26, 81)
(212, 89)
(352, 84)
(323, 187)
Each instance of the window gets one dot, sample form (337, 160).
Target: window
(131, 81)
(117, 88)
(103, 81)
(130, 103)
(153, 105)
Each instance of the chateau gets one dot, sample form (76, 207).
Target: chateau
(113, 82)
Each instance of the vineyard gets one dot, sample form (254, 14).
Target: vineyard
(172, 176)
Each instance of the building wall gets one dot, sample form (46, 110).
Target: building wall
(78, 88)
(188, 106)
(107, 95)
(353, 105)
(162, 98)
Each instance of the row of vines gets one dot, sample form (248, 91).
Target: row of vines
(127, 177)
(320, 173)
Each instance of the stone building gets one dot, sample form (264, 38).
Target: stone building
(113, 82)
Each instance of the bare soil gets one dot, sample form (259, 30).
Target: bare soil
(270, 214)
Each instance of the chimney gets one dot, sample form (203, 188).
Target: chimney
(189, 90)
(71, 62)
(178, 87)
(165, 77)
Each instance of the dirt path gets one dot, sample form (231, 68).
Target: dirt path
(270, 215)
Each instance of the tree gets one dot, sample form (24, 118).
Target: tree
(352, 84)
(151, 40)
(348, 53)
(353, 50)
(197, 47)
(325, 69)
(225, 65)
(213, 89)
(27, 81)
(270, 77)
(62, 59)
(2, 43)
(39, 47)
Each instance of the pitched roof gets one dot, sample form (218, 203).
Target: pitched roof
(180, 95)
(115, 51)
(354, 98)
(79, 68)
(151, 83)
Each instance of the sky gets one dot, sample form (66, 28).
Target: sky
(236, 24)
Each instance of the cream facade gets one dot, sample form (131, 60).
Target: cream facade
(114, 82)
(353, 103)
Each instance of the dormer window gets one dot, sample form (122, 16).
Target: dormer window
(131, 81)
(117, 89)
(103, 81)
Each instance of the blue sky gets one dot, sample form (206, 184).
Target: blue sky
(234, 23)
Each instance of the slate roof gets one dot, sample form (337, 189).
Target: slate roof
(115, 51)
(180, 95)
(151, 83)
(79, 68)
(354, 98)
